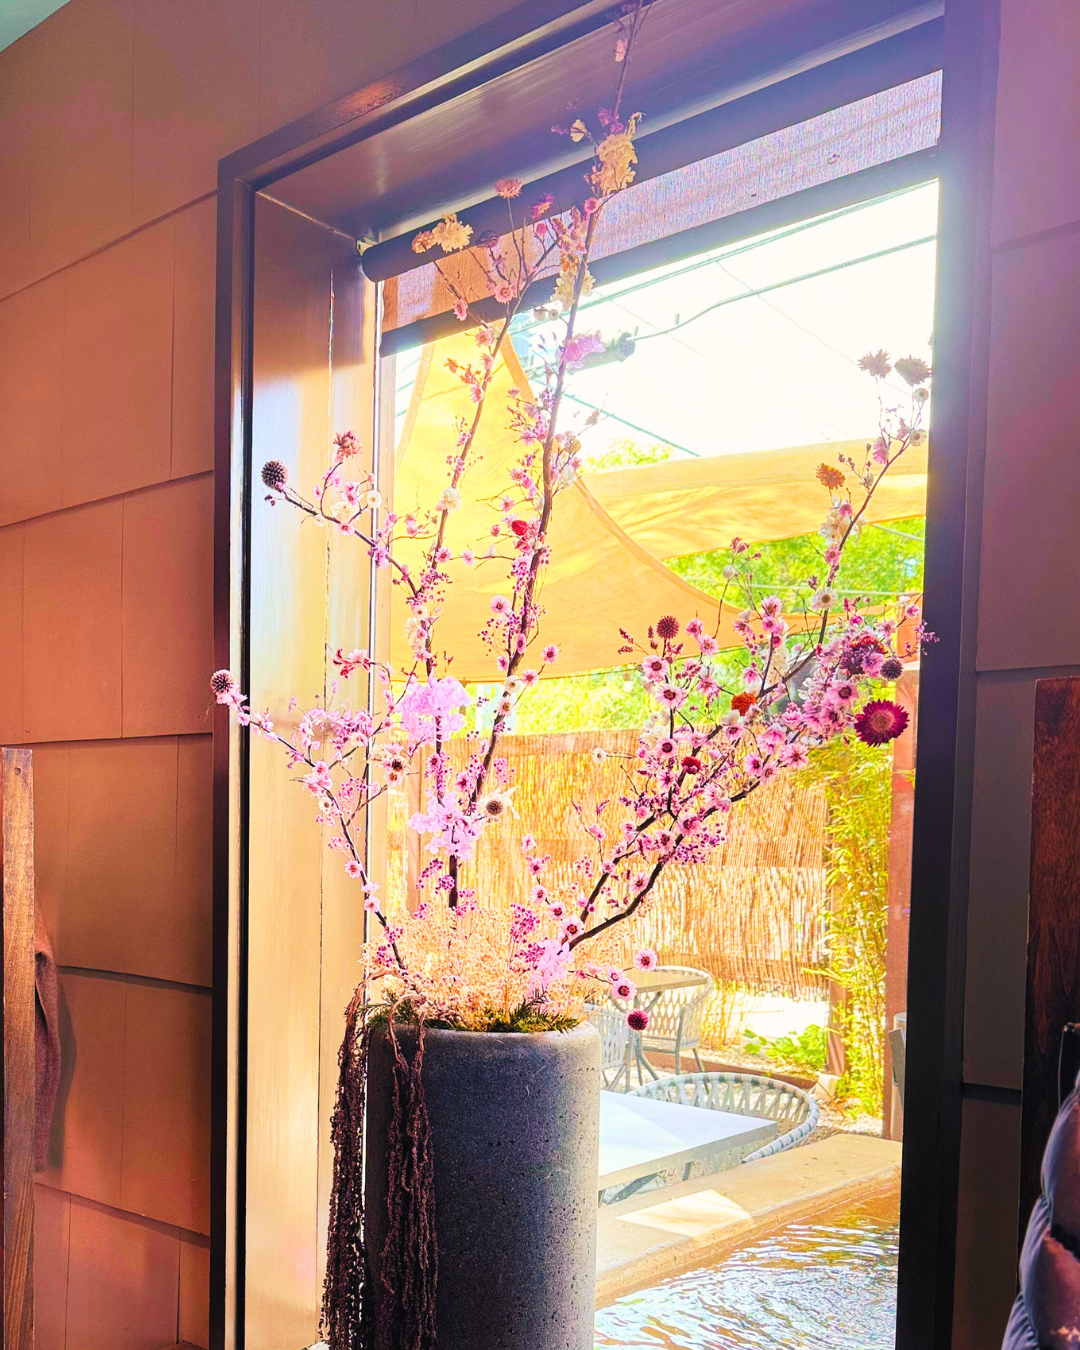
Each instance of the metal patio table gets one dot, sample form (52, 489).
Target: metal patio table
(640, 1137)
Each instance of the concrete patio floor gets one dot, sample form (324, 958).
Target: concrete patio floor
(639, 1244)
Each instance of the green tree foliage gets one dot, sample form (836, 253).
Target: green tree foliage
(624, 452)
(857, 781)
(887, 562)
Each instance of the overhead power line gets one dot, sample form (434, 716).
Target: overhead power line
(788, 281)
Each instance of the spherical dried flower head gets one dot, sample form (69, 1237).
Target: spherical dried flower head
(892, 668)
(912, 369)
(496, 805)
(508, 187)
(667, 627)
(222, 682)
(829, 477)
(880, 721)
(742, 703)
(275, 475)
(637, 1020)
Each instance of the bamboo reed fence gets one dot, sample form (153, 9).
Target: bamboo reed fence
(754, 915)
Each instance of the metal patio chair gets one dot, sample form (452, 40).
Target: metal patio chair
(610, 1022)
(676, 1018)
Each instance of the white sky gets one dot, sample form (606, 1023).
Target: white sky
(774, 370)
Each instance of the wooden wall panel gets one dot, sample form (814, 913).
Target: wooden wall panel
(52, 1240)
(1032, 488)
(196, 96)
(1038, 117)
(192, 909)
(193, 340)
(168, 570)
(985, 1270)
(81, 134)
(131, 1128)
(998, 880)
(123, 1282)
(85, 1151)
(194, 1289)
(71, 624)
(1053, 962)
(12, 541)
(52, 781)
(166, 1171)
(31, 327)
(117, 367)
(15, 89)
(123, 855)
(120, 898)
(317, 50)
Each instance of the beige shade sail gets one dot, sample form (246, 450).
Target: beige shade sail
(606, 539)
(687, 506)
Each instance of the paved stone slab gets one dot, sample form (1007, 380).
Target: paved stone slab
(698, 1223)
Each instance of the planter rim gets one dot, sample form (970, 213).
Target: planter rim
(584, 1027)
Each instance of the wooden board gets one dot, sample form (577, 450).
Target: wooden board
(1053, 956)
(17, 880)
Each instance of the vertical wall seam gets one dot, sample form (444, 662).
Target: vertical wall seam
(123, 1092)
(172, 359)
(123, 532)
(22, 627)
(67, 1269)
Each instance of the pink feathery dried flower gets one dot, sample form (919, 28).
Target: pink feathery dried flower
(876, 364)
(880, 721)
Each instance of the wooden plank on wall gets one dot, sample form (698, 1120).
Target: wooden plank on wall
(17, 879)
(1053, 958)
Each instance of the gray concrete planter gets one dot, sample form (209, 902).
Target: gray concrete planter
(514, 1129)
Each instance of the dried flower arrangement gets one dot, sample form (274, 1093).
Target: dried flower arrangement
(468, 962)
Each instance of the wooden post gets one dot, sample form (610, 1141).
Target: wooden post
(897, 923)
(1053, 954)
(17, 882)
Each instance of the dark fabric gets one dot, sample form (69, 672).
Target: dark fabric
(46, 1042)
(1046, 1315)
